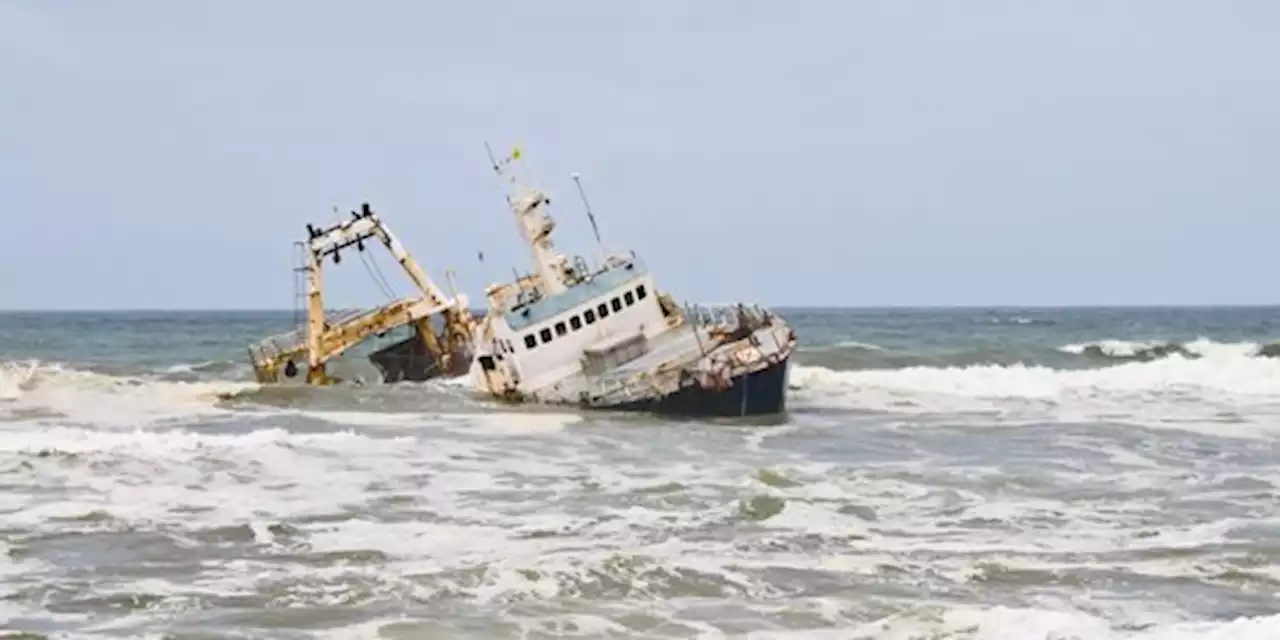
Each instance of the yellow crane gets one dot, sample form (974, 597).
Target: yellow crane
(427, 354)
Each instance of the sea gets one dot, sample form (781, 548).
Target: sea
(940, 474)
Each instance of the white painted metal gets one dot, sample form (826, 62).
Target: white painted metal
(537, 330)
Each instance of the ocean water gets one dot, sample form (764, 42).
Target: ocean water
(990, 474)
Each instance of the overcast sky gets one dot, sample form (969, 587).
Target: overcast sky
(160, 154)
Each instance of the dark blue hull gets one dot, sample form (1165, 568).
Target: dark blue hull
(761, 393)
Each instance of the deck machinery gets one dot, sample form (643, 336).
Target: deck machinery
(430, 352)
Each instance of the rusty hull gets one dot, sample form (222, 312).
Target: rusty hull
(326, 336)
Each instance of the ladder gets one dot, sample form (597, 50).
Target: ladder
(299, 283)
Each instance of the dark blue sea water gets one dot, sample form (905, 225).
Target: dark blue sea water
(942, 474)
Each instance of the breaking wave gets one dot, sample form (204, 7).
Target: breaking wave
(51, 390)
(1127, 350)
(1152, 383)
(854, 355)
(113, 396)
(1218, 387)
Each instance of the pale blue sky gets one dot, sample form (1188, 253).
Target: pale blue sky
(161, 154)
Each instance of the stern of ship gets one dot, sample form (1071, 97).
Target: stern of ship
(744, 377)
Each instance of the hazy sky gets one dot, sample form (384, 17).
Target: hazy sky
(160, 154)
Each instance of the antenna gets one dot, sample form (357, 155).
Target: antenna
(590, 216)
(519, 285)
(493, 162)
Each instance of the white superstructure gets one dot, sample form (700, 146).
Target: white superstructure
(549, 325)
(607, 337)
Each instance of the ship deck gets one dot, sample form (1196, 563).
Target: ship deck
(673, 349)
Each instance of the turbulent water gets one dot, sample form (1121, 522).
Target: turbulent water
(942, 475)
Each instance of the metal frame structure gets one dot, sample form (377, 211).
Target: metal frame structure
(324, 337)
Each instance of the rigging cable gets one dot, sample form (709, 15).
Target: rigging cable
(375, 273)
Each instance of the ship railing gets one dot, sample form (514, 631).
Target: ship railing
(273, 347)
(718, 322)
(727, 316)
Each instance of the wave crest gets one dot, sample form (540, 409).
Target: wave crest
(1129, 350)
(33, 388)
(1226, 389)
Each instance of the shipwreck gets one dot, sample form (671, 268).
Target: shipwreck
(441, 327)
(607, 337)
(567, 333)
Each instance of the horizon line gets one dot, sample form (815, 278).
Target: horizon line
(793, 307)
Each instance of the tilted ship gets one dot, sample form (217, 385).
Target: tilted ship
(607, 337)
(440, 326)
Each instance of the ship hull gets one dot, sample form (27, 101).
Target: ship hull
(758, 393)
(409, 361)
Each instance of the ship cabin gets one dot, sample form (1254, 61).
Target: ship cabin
(597, 323)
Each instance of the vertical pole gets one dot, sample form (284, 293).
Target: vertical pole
(590, 216)
(299, 284)
(697, 326)
(453, 285)
(315, 320)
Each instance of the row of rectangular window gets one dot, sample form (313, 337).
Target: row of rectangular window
(590, 316)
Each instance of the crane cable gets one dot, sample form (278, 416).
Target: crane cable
(375, 273)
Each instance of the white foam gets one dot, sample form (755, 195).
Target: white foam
(398, 419)
(198, 480)
(1201, 346)
(112, 401)
(456, 535)
(936, 622)
(16, 378)
(1002, 623)
(512, 514)
(490, 423)
(514, 423)
(1225, 387)
(854, 344)
(1113, 348)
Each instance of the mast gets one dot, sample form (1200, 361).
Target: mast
(315, 320)
(528, 204)
(590, 216)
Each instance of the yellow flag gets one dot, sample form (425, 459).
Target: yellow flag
(515, 153)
